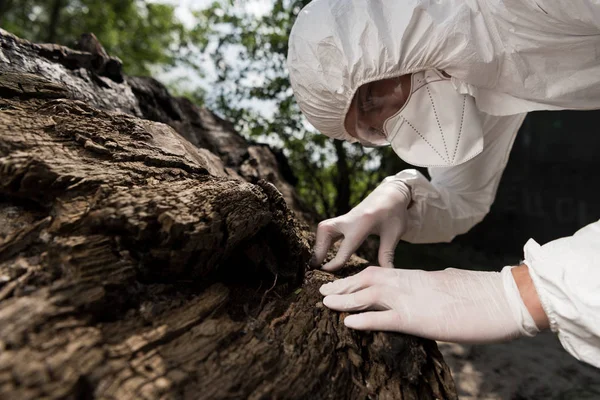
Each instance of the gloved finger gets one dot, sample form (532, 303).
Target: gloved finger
(371, 298)
(327, 232)
(347, 248)
(387, 320)
(370, 276)
(388, 240)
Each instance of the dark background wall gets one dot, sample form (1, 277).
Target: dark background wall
(550, 189)
(551, 186)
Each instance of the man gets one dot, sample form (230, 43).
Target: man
(448, 84)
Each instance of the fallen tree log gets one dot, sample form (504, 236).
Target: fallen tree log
(135, 264)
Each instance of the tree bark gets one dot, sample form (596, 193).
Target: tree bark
(134, 264)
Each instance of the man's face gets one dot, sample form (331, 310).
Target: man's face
(372, 105)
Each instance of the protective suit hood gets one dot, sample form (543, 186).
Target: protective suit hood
(513, 56)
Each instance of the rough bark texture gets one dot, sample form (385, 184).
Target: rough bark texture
(134, 264)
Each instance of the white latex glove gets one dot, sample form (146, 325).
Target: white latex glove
(451, 305)
(383, 212)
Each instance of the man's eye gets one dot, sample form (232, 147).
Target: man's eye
(368, 103)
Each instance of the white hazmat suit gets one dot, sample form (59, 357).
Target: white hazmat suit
(512, 56)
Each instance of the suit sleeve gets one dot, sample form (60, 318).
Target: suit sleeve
(566, 275)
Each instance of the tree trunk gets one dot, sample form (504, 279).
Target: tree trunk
(342, 199)
(57, 6)
(134, 264)
(5, 5)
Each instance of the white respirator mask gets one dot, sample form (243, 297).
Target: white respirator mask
(435, 127)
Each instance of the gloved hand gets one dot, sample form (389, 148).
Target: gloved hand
(450, 305)
(383, 212)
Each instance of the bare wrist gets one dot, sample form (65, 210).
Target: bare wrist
(530, 296)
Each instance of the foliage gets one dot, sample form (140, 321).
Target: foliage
(250, 60)
(141, 33)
